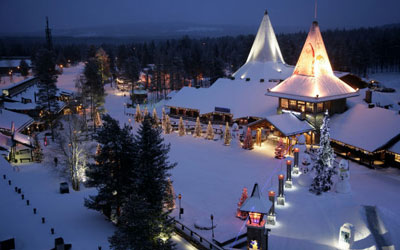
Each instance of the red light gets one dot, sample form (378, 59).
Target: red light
(289, 162)
(296, 150)
(271, 193)
(281, 177)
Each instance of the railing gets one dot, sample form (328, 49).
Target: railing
(197, 240)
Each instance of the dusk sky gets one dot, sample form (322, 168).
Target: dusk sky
(28, 15)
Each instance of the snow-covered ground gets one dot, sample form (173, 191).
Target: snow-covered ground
(210, 178)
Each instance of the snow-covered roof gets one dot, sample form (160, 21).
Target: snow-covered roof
(256, 202)
(5, 142)
(265, 59)
(24, 139)
(13, 63)
(366, 128)
(313, 79)
(20, 120)
(289, 124)
(395, 148)
(242, 98)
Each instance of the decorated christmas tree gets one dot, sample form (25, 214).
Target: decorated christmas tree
(243, 198)
(181, 127)
(197, 128)
(146, 112)
(37, 150)
(138, 115)
(155, 117)
(168, 127)
(210, 131)
(227, 135)
(163, 119)
(323, 166)
(280, 149)
(248, 140)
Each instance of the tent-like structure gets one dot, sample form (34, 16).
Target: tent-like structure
(313, 79)
(265, 59)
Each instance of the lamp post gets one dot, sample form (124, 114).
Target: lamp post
(281, 195)
(271, 218)
(212, 225)
(180, 209)
(296, 160)
(288, 183)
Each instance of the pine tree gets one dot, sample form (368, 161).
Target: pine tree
(168, 126)
(227, 135)
(111, 173)
(104, 64)
(324, 167)
(163, 119)
(138, 115)
(181, 127)
(146, 112)
(210, 131)
(144, 223)
(243, 198)
(197, 128)
(23, 68)
(170, 201)
(248, 140)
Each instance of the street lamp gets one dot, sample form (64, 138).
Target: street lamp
(212, 225)
(180, 208)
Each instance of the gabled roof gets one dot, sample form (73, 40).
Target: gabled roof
(367, 128)
(313, 79)
(265, 59)
(256, 202)
(21, 121)
(288, 124)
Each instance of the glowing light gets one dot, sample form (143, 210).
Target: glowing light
(288, 162)
(271, 193)
(255, 218)
(281, 177)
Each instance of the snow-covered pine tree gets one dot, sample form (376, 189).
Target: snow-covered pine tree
(210, 131)
(181, 127)
(243, 198)
(146, 112)
(111, 171)
(155, 116)
(227, 135)
(324, 166)
(150, 180)
(163, 119)
(138, 115)
(170, 199)
(168, 126)
(248, 140)
(197, 128)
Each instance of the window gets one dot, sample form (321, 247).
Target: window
(310, 107)
(397, 157)
(284, 103)
(320, 107)
(301, 106)
(292, 104)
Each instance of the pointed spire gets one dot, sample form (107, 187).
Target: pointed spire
(265, 47)
(313, 60)
(256, 202)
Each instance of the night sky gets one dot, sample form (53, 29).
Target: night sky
(28, 15)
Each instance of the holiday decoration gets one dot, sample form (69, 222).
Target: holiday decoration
(240, 214)
(197, 128)
(168, 127)
(138, 115)
(181, 127)
(248, 140)
(324, 167)
(155, 117)
(343, 185)
(227, 135)
(146, 112)
(280, 149)
(210, 131)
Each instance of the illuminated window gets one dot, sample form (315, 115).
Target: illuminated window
(284, 103)
(292, 104)
(397, 157)
(310, 107)
(255, 218)
(301, 106)
(320, 107)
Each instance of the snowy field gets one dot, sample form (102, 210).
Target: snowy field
(210, 178)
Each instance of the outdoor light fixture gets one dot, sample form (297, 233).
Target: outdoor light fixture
(271, 218)
(288, 183)
(281, 196)
(296, 161)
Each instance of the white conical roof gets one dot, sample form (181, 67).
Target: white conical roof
(313, 79)
(265, 59)
(256, 202)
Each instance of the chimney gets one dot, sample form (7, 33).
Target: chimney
(368, 96)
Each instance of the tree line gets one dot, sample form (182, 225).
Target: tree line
(360, 51)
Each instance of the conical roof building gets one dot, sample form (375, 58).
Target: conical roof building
(313, 79)
(265, 59)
